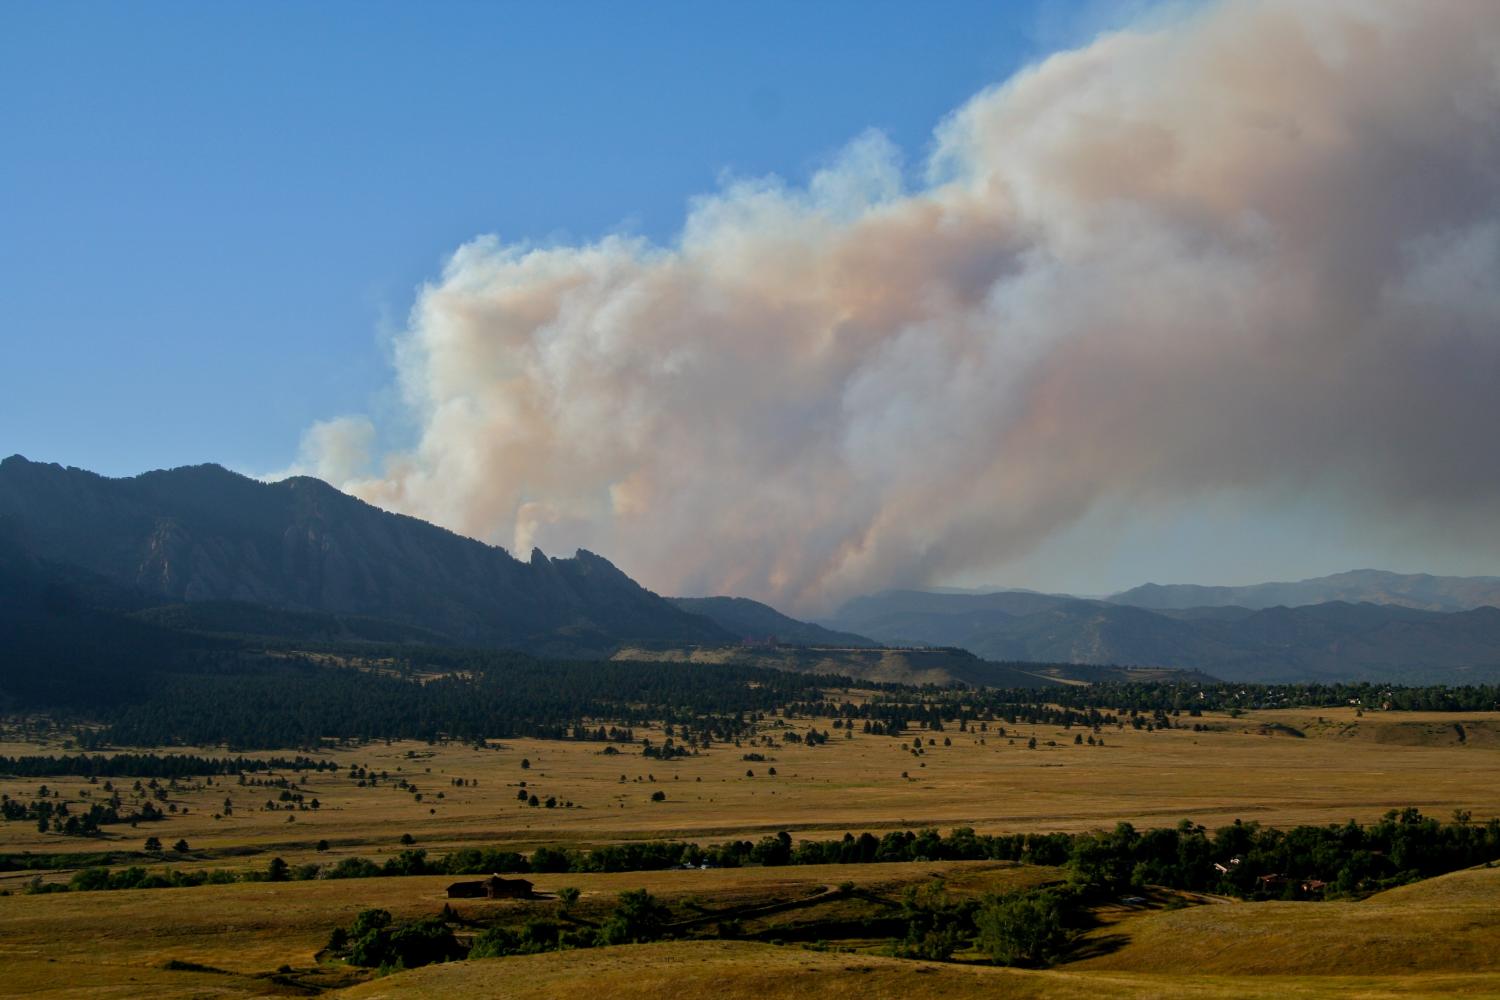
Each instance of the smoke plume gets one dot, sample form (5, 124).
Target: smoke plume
(1254, 250)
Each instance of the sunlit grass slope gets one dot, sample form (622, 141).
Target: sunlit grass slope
(1446, 924)
(743, 971)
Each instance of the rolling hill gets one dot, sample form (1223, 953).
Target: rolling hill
(1444, 924)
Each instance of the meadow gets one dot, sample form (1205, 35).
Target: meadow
(1253, 768)
(1280, 768)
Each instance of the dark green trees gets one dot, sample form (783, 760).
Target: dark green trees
(1022, 930)
(375, 941)
(638, 917)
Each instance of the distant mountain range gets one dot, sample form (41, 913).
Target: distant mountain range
(229, 549)
(1332, 640)
(1408, 590)
(128, 563)
(204, 550)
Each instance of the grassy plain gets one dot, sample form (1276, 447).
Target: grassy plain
(1281, 768)
(1342, 767)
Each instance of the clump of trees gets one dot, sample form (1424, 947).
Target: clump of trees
(374, 940)
(53, 814)
(1025, 929)
(1029, 929)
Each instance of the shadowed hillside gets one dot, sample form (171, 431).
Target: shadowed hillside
(202, 533)
(749, 619)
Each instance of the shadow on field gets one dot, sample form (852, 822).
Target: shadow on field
(1094, 947)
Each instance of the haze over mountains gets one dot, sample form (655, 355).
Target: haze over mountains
(1408, 590)
(204, 550)
(1331, 640)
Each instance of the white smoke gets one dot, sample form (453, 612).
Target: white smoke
(336, 451)
(1253, 250)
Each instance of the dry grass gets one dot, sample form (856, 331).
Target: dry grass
(741, 971)
(57, 945)
(1436, 938)
(1446, 924)
(1347, 767)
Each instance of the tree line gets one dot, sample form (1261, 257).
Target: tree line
(151, 765)
(299, 702)
(1243, 859)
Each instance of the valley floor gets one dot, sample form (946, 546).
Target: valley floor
(1440, 937)
(1280, 768)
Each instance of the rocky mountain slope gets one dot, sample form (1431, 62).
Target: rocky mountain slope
(203, 533)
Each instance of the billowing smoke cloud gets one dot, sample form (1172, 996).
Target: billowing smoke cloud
(1255, 250)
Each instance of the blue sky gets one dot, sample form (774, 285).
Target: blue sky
(215, 215)
(215, 219)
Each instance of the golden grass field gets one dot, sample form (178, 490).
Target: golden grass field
(1436, 938)
(744, 971)
(1346, 767)
(1445, 924)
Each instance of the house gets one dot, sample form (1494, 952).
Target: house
(1314, 885)
(493, 887)
(1234, 863)
(1273, 881)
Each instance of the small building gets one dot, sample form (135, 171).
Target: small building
(493, 887)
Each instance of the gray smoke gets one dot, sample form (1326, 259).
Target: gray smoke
(1252, 251)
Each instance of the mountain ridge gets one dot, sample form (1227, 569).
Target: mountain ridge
(749, 619)
(204, 533)
(1423, 591)
(1331, 641)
